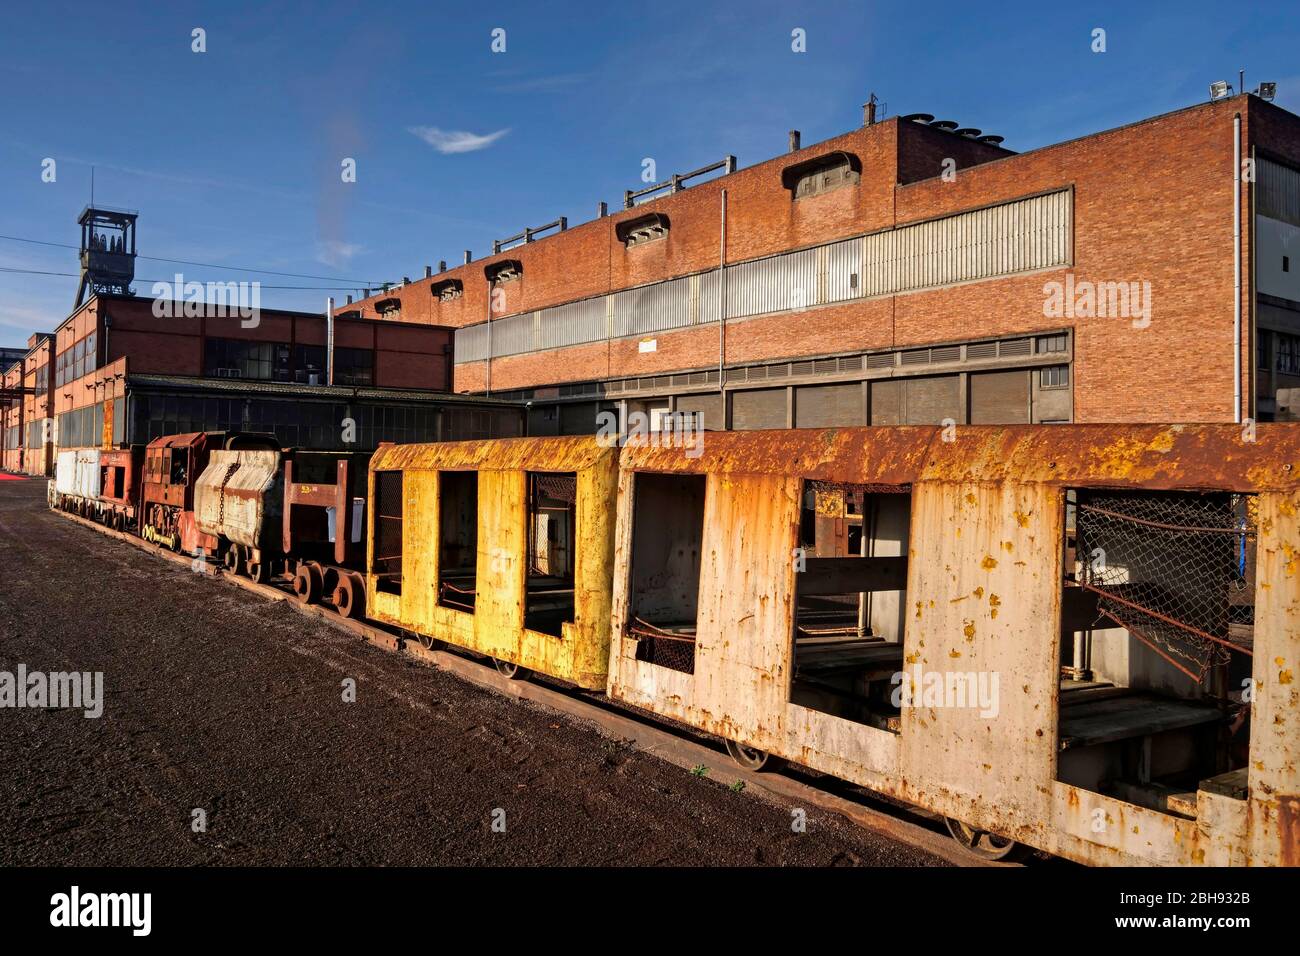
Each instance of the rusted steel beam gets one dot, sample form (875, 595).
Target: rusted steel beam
(1192, 457)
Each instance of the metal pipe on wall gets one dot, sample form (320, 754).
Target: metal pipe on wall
(722, 308)
(1236, 268)
(329, 341)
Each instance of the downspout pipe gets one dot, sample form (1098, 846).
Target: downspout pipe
(1236, 268)
(329, 341)
(722, 307)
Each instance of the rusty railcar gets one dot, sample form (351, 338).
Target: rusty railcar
(172, 466)
(504, 547)
(324, 526)
(1082, 639)
(120, 486)
(76, 482)
(238, 500)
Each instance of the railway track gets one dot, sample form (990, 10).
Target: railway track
(791, 786)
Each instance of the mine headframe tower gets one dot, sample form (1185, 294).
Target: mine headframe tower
(107, 252)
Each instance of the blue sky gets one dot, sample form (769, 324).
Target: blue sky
(233, 156)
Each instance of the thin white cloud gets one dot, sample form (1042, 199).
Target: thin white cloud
(455, 141)
(332, 252)
(543, 84)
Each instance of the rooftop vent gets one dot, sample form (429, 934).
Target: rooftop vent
(919, 117)
(947, 125)
(991, 140)
(969, 132)
(634, 232)
(505, 270)
(447, 289)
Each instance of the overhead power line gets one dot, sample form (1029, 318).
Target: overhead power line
(360, 283)
(75, 275)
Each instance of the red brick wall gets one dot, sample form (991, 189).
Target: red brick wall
(1152, 203)
(406, 356)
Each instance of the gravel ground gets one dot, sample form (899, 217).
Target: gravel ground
(220, 701)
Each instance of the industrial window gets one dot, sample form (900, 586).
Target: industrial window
(387, 562)
(506, 270)
(1157, 614)
(447, 290)
(457, 539)
(179, 466)
(351, 366)
(850, 599)
(667, 544)
(1288, 353)
(235, 358)
(552, 524)
(642, 229)
(1053, 343)
(1054, 376)
(820, 175)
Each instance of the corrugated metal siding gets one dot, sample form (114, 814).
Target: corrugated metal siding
(844, 270)
(513, 335)
(1014, 237)
(710, 297)
(651, 308)
(1279, 192)
(772, 285)
(470, 344)
(573, 324)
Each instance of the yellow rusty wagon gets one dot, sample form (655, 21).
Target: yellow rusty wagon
(504, 547)
(1084, 639)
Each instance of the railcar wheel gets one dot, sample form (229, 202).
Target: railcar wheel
(982, 844)
(234, 559)
(259, 570)
(350, 596)
(308, 584)
(751, 758)
(511, 671)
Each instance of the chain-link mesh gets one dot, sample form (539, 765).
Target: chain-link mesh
(557, 487)
(853, 489)
(657, 646)
(388, 522)
(1175, 569)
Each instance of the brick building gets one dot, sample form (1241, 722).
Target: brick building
(910, 272)
(115, 374)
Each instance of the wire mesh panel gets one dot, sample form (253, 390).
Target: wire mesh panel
(676, 651)
(557, 487)
(388, 530)
(1172, 568)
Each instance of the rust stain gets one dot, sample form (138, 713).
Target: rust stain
(989, 562)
